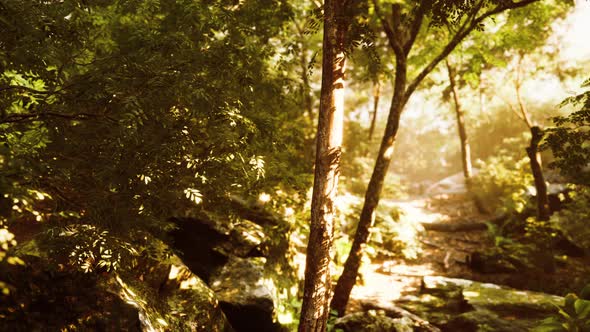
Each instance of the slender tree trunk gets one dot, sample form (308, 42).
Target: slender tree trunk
(316, 293)
(465, 148)
(349, 275)
(543, 211)
(376, 96)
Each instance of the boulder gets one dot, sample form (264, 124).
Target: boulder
(465, 305)
(575, 230)
(451, 185)
(485, 321)
(181, 302)
(198, 242)
(246, 296)
(205, 244)
(373, 321)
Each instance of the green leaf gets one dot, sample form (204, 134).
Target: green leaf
(582, 308)
(551, 324)
(585, 292)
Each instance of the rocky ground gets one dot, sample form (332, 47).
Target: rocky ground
(442, 286)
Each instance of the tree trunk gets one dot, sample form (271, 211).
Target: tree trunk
(543, 212)
(351, 266)
(376, 96)
(465, 148)
(316, 293)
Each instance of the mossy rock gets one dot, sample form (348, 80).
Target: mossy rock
(181, 302)
(486, 321)
(373, 321)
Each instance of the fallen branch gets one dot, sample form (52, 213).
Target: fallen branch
(464, 226)
(431, 244)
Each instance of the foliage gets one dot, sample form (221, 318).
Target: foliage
(572, 221)
(569, 140)
(394, 235)
(121, 114)
(502, 184)
(358, 162)
(49, 297)
(572, 316)
(116, 115)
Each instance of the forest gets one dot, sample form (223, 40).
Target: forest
(295, 165)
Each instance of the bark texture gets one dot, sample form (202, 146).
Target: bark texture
(543, 211)
(376, 96)
(316, 293)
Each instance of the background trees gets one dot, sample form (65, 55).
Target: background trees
(402, 25)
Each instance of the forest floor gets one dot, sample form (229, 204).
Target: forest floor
(446, 254)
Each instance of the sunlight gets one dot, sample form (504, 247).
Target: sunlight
(388, 152)
(264, 198)
(574, 33)
(338, 114)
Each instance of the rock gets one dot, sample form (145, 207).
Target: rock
(246, 238)
(464, 305)
(497, 298)
(485, 321)
(180, 302)
(512, 258)
(245, 295)
(575, 230)
(373, 321)
(198, 242)
(205, 244)
(492, 262)
(454, 184)
(154, 296)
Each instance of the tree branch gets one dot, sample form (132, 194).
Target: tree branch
(517, 85)
(39, 116)
(415, 29)
(24, 88)
(463, 31)
(397, 49)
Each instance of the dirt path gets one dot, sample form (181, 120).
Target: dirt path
(439, 253)
(445, 254)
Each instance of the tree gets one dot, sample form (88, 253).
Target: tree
(459, 113)
(317, 289)
(119, 115)
(403, 27)
(515, 41)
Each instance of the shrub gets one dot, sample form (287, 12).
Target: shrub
(502, 184)
(572, 316)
